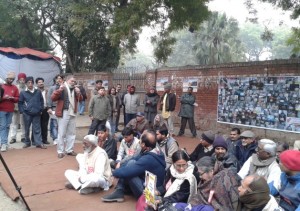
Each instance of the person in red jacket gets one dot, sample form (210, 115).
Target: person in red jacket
(7, 105)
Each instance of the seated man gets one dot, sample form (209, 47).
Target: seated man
(222, 156)
(107, 142)
(289, 190)
(133, 172)
(138, 124)
(129, 146)
(263, 163)
(205, 147)
(94, 169)
(167, 144)
(281, 147)
(233, 140)
(245, 147)
(254, 194)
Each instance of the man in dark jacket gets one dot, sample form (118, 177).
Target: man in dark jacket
(31, 105)
(133, 172)
(205, 147)
(167, 106)
(187, 112)
(107, 142)
(245, 147)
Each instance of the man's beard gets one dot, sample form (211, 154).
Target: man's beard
(88, 150)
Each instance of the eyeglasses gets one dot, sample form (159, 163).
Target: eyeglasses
(178, 166)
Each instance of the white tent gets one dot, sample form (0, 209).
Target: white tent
(31, 62)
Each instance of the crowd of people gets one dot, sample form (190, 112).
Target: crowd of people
(238, 173)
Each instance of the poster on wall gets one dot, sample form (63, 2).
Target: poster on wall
(105, 84)
(91, 84)
(264, 102)
(160, 83)
(187, 82)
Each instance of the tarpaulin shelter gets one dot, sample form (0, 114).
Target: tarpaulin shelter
(33, 63)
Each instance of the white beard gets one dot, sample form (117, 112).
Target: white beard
(88, 150)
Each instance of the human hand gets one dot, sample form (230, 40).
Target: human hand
(118, 165)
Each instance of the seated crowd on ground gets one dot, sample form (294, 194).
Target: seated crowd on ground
(237, 173)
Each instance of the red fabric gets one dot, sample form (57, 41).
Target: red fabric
(28, 51)
(9, 105)
(141, 203)
(291, 159)
(21, 75)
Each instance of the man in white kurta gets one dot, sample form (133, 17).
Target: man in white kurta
(94, 171)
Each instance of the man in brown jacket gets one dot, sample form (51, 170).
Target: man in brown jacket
(67, 97)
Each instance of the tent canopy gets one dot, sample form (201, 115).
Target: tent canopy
(31, 62)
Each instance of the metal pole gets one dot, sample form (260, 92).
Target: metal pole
(14, 182)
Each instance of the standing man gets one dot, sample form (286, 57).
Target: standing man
(17, 117)
(31, 105)
(99, 110)
(187, 112)
(131, 103)
(45, 114)
(58, 80)
(7, 105)
(67, 97)
(167, 106)
(119, 95)
(98, 85)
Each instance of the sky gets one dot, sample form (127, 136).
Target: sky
(268, 16)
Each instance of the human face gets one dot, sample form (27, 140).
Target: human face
(40, 84)
(10, 80)
(206, 176)
(98, 85)
(72, 82)
(180, 166)
(59, 80)
(101, 92)
(167, 90)
(262, 155)
(190, 91)
(22, 81)
(247, 141)
(87, 146)
(113, 91)
(152, 91)
(119, 87)
(139, 118)
(204, 143)
(159, 136)
(234, 136)
(244, 187)
(132, 90)
(128, 138)
(220, 152)
(102, 135)
(29, 85)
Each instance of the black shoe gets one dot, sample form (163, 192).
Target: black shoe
(116, 196)
(13, 141)
(23, 140)
(41, 146)
(46, 142)
(26, 146)
(72, 153)
(195, 135)
(60, 155)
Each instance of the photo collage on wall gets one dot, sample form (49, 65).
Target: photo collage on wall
(265, 102)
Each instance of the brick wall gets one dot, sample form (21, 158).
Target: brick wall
(206, 112)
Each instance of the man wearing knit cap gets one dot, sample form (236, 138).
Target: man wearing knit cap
(289, 190)
(94, 171)
(205, 147)
(263, 163)
(245, 147)
(167, 107)
(31, 105)
(7, 105)
(17, 117)
(222, 156)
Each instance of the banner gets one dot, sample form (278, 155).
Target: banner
(264, 102)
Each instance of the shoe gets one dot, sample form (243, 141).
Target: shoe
(41, 146)
(195, 136)
(26, 146)
(46, 142)
(72, 153)
(3, 147)
(13, 141)
(180, 134)
(116, 196)
(54, 142)
(61, 155)
(85, 191)
(68, 185)
(23, 140)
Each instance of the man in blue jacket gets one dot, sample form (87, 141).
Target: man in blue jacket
(132, 174)
(31, 105)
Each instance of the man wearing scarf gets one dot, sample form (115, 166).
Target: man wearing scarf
(67, 97)
(205, 147)
(254, 194)
(94, 171)
(263, 163)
